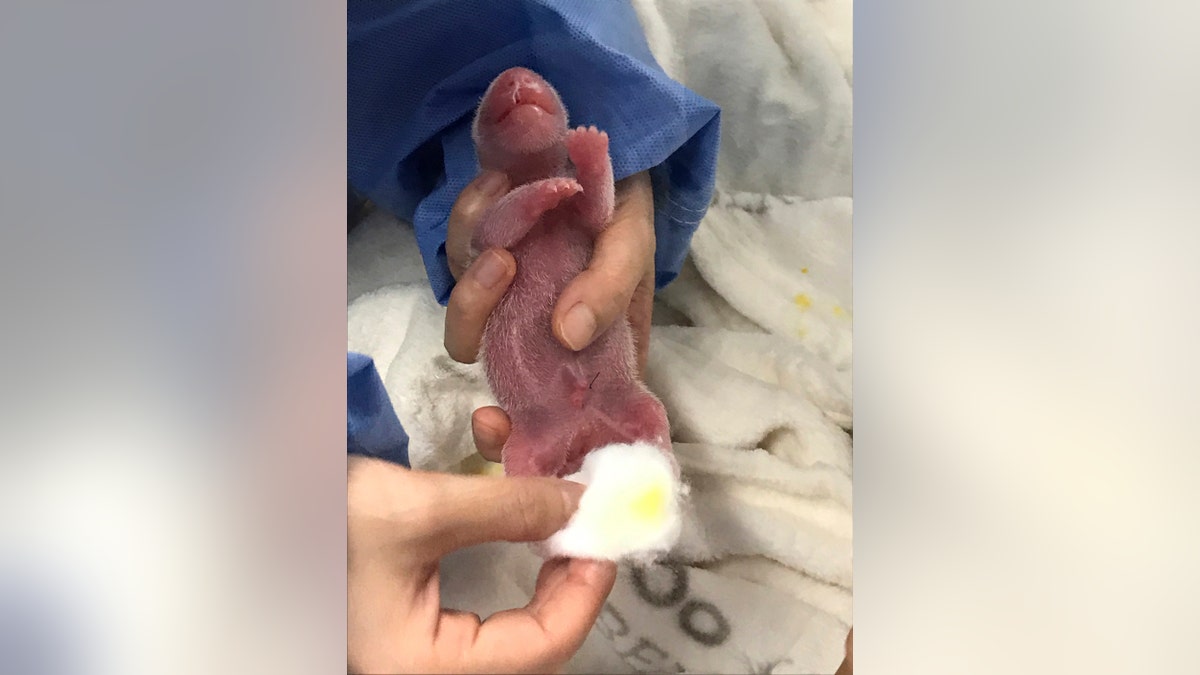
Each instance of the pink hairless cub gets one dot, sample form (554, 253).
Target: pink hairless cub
(562, 404)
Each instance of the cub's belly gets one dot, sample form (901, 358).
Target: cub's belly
(528, 368)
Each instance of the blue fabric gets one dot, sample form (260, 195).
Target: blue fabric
(372, 428)
(417, 70)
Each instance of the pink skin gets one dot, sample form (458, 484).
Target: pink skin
(562, 404)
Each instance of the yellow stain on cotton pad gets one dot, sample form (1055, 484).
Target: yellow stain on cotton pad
(803, 270)
(802, 301)
(838, 311)
(634, 510)
(650, 504)
(631, 507)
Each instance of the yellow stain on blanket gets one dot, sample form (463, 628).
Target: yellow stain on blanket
(478, 466)
(802, 301)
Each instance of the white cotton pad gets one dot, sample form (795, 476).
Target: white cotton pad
(631, 508)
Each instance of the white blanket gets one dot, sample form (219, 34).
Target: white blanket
(751, 354)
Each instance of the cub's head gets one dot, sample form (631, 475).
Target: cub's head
(520, 118)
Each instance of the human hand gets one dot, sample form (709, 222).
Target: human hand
(618, 281)
(399, 525)
(847, 667)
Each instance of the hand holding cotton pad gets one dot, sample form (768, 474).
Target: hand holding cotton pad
(631, 509)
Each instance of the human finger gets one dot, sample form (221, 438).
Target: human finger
(640, 313)
(847, 667)
(476, 198)
(623, 253)
(551, 628)
(490, 426)
(470, 510)
(472, 301)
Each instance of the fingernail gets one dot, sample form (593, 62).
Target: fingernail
(484, 431)
(490, 269)
(572, 493)
(593, 571)
(492, 183)
(578, 326)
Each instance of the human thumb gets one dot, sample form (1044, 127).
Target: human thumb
(475, 199)
(480, 509)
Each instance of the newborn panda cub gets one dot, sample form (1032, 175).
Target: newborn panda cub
(566, 406)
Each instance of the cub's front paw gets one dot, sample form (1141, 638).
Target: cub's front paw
(588, 149)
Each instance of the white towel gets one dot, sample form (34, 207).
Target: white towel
(784, 263)
(750, 353)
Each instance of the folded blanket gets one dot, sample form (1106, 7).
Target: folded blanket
(750, 352)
